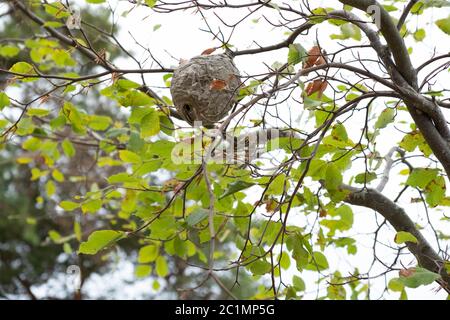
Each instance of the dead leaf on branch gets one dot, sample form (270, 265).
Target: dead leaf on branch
(315, 58)
(407, 272)
(208, 51)
(318, 85)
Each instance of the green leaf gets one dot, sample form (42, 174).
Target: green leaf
(56, 9)
(95, 1)
(402, 237)
(444, 24)
(53, 24)
(161, 267)
(396, 285)
(345, 212)
(197, 216)
(69, 205)
(385, 118)
(318, 262)
(333, 177)
(276, 187)
(68, 148)
(151, 3)
(166, 125)
(413, 140)
(129, 157)
(22, 67)
(285, 262)
(418, 8)
(420, 177)
(299, 253)
(127, 84)
(143, 270)
(150, 124)
(99, 123)
(58, 122)
(419, 277)
(318, 15)
(91, 206)
(236, 186)
(134, 98)
(390, 8)
(74, 116)
(296, 54)
(435, 191)
(148, 254)
(339, 132)
(260, 267)
(37, 112)
(99, 240)
(50, 188)
(57, 175)
(137, 113)
(348, 30)
(365, 177)
(122, 177)
(419, 35)
(9, 51)
(62, 58)
(298, 283)
(4, 100)
(352, 31)
(32, 144)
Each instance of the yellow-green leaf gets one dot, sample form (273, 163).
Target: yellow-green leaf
(99, 240)
(69, 205)
(403, 236)
(162, 269)
(129, 157)
(91, 206)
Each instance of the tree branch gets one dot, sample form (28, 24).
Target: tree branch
(283, 44)
(393, 38)
(399, 219)
(87, 52)
(425, 113)
(405, 13)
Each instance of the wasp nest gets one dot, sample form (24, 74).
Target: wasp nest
(205, 88)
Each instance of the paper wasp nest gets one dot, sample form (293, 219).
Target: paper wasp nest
(205, 88)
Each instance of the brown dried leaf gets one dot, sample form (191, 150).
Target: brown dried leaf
(271, 205)
(217, 84)
(44, 99)
(178, 187)
(315, 58)
(170, 185)
(208, 51)
(321, 61)
(101, 56)
(407, 272)
(318, 85)
(115, 76)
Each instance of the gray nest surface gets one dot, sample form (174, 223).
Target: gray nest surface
(205, 88)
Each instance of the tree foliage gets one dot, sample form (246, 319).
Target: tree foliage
(93, 151)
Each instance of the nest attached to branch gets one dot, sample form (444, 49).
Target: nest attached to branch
(205, 88)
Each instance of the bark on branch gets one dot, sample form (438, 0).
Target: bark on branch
(425, 112)
(426, 256)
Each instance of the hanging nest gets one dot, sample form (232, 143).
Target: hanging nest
(205, 88)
